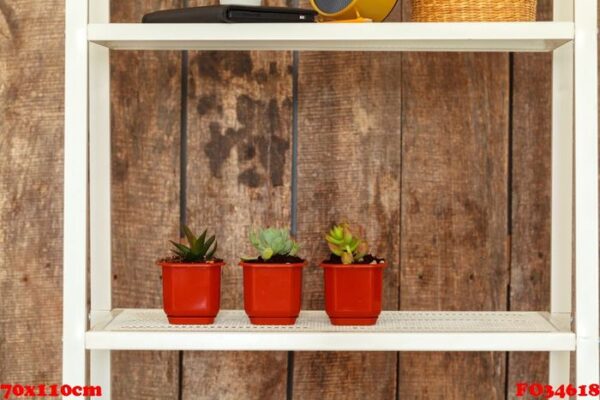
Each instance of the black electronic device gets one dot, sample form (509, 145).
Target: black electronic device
(230, 13)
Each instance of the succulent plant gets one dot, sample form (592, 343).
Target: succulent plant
(347, 243)
(200, 249)
(272, 241)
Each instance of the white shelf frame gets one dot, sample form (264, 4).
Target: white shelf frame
(573, 39)
(391, 36)
(138, 329)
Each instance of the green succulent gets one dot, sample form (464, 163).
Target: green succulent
(347, 243)
(200, 249)
(271, 241)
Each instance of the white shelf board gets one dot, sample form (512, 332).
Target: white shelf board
(392, 36)
(140, 329)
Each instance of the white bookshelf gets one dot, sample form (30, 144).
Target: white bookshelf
(572, 39)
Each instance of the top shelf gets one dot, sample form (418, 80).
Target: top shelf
(392, 36)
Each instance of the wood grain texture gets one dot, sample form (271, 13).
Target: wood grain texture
(454, 252)
(239, 175)
(531, 198)
(145, 102)
(31, 178)
(454, 198)
(348, 167)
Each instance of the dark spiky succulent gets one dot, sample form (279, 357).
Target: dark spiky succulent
(199, 248)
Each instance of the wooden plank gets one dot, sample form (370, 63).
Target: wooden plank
(31, 178)
(145, 101)
(239, 176)
(454, 251)
(348, 167)
(531, 149)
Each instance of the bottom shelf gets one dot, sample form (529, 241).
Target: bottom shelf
(139, 329)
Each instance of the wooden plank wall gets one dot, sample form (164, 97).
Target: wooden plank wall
(454, 253)
(444, 157)
(31, 141)
(239, 109)
(146, 108)
(531, 191)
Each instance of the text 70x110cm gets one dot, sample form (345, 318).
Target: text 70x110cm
(43, 390)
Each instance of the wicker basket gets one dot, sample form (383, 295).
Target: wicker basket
(473, 10)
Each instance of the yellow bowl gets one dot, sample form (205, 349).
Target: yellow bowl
(375, 10)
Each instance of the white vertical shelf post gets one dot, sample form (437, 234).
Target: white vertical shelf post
(100, 194)
(562, 188)
(75, 193)
(586, 192)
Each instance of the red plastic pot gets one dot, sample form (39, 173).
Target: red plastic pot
(191, 292)
(353, 293)
(272, 292)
